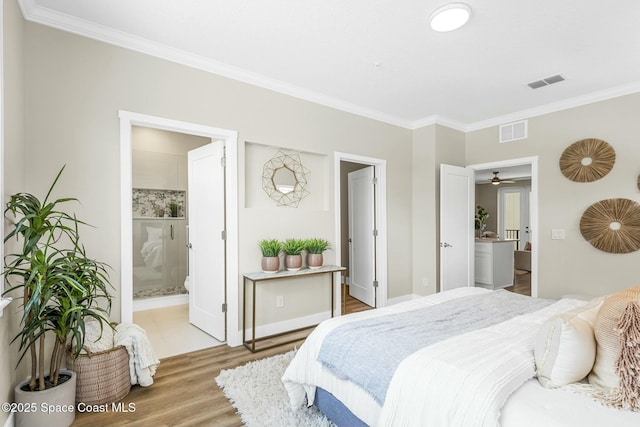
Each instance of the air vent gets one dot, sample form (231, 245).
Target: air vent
(513, 131)
(545, 82)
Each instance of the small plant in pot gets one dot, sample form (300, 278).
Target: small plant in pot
(315, 247)
(270, 249)
(293, 250)
(61, 287)
(174, 209)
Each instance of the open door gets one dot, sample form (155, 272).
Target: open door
(362, 239)
(457, 210)
(206, 240)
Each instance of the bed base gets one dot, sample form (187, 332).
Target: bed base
(335, 410)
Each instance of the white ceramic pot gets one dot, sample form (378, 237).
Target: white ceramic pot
(54, 407)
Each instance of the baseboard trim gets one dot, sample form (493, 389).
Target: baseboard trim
(402, 298)
(288, 325)
(160, 302)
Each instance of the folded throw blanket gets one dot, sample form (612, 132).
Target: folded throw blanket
(142, 360)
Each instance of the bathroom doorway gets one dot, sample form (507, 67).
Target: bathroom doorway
(155, 229)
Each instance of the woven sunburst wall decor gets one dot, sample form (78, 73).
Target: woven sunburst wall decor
(612, 225)
(587, 160)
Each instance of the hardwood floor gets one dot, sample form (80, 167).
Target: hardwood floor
(350, 304)
(184, 392)
(522, 285)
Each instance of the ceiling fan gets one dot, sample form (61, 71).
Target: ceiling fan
(495, 180)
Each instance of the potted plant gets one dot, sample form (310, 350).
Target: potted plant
(293, 250)
(61, 287)
(480, 220)
(270, 249)
(174, 208)
(315, 247)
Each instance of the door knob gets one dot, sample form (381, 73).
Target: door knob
(189, 245)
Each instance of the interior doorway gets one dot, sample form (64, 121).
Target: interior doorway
(374, 261)
(519, 185)
(229, 139)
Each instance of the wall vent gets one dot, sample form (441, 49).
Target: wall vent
(546, 81)
(513, 131)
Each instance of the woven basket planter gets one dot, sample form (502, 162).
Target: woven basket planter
(103, 377)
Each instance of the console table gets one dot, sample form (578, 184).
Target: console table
(260, 277)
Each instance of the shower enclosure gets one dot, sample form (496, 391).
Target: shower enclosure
(159, 257)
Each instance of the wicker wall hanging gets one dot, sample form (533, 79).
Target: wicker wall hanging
(587, 160)
(638, 182)
(612, 225)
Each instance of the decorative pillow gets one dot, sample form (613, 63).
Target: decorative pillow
(610, 333)
(565, 346)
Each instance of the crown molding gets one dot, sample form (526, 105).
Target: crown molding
(45, 16)
(554, 107)
(51, 18)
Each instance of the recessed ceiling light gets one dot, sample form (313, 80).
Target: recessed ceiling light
(450, 17)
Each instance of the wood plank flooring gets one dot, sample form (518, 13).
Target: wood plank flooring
(184, 392)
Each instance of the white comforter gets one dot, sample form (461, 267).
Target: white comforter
(429, 386)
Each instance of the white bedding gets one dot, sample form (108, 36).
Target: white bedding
(305, 373)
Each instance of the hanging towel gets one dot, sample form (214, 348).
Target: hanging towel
(142, 360)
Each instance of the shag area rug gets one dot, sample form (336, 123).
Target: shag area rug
(260, 398)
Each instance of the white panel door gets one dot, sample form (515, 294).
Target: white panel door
(362, 240)
(206, 243)
(457, 211)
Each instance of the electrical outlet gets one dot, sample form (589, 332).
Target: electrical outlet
(425, 282)
(280, 301)
(557, 234)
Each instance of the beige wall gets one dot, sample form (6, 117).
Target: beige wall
(431, 146)
(76, 86)
(13, 175)
(573, 265)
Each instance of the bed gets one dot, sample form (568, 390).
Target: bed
(382, 367)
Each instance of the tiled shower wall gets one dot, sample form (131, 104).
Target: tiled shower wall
(155, 203)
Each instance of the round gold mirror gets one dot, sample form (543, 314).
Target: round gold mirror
(284, 179)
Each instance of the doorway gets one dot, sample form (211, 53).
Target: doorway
(462, 265)
(514, 206)
(229, 138)
(376, 261)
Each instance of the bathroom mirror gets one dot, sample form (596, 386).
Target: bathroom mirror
(284, 179)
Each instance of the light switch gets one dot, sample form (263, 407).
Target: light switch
(557, 234)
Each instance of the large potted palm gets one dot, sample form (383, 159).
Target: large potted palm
(61, 288)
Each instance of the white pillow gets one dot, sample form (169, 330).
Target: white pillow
(565, 348)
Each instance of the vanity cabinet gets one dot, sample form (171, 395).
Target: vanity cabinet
(494, 263)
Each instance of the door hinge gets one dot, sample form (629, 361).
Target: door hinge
(375, 283)
(223, 235)
(375, 233)
(223, 161)
(224, 307)
(375, 180)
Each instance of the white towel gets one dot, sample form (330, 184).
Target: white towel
(97, 339)
(142, 360)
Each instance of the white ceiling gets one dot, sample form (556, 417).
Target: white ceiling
(379, 58)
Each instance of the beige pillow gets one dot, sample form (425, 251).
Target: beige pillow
(608, 338)
(565, 347)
